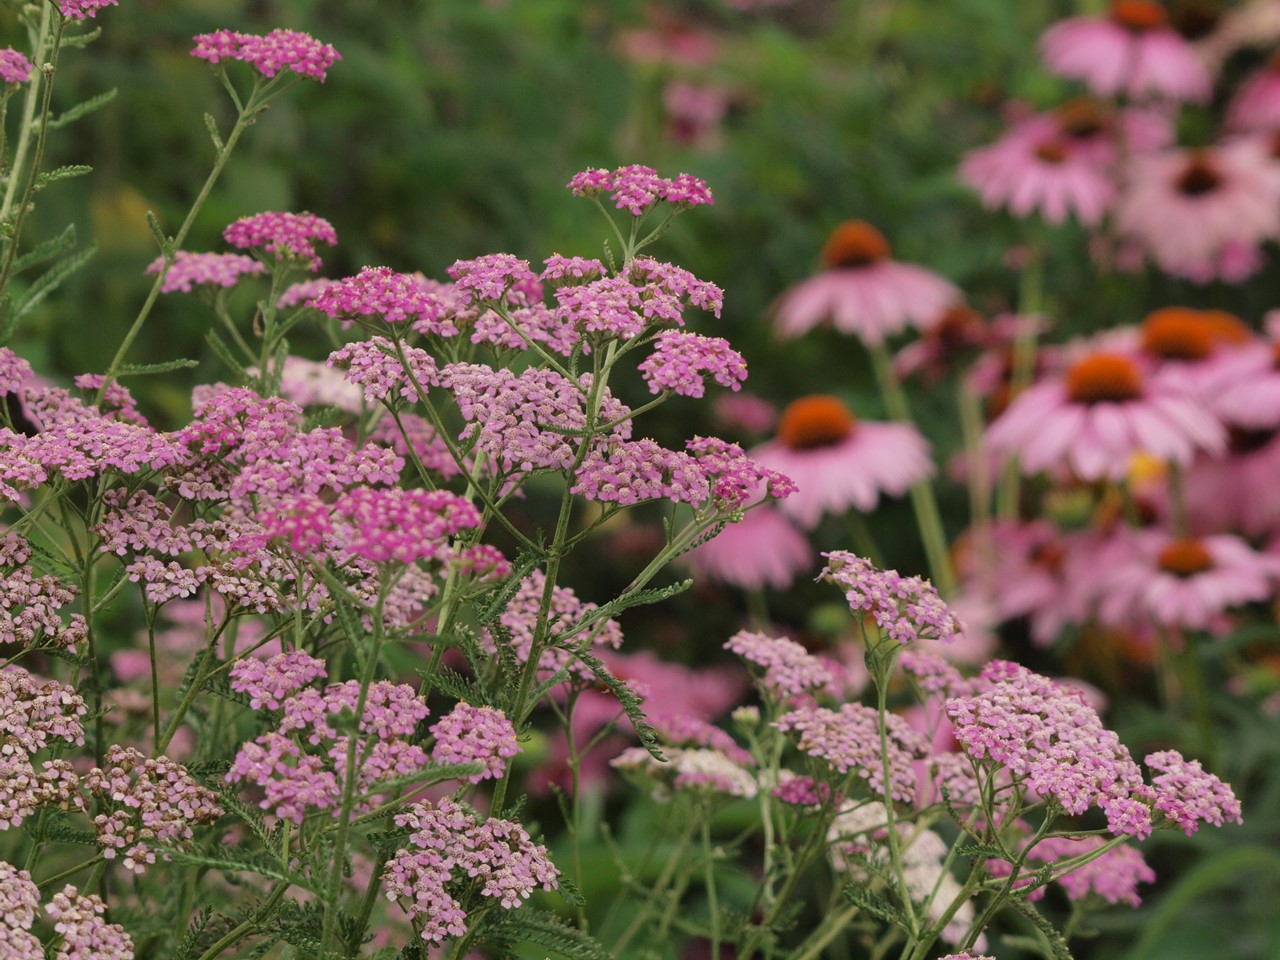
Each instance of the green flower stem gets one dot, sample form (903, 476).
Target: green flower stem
(883, 656)
(1030, 303)
(202, 675)
(69, 872)
(249, 926)
(709, 879)
(39, 50)
(831, 927)
(352, 772)
(996, 902)
(246, 115)
(979, 479)
(674, 862)
(922, 496)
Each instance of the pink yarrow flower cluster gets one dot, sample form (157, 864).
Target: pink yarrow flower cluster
(85, 934)
(469, 734)
(150, 799)
(637, 189)
(394, 297)
(14, 66)
(374, 365)
(1188, 795)
(1048, 737)
(279, 50)
(83, 9)
(682, 362)
(268, 683)
(905, 608)
(451, 852)
(190, 270)
(789, 669)
(285, 235)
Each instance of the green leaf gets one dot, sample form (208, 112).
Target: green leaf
(237, 862)
(985, 851)
(631, 705)
(277, 368)
(1041, 923)
(219, 346)
(530, 925)
(873, 903)
(67, 172)
(81, 39)
(212, 126)
(49, 281)
(84, 108)
(429, 775)
(147, 369)
(64, 241)
(163, 242)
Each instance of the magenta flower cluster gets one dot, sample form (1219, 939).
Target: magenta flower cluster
(279, 50)
(290, 236)
(374, 366)
(268, 683)
(190, 270)
(83, 9)
(905, 608)
(637, 189)
(394, 298)
(452, 851)
(469, 734)
(14, 66)
(681, 362)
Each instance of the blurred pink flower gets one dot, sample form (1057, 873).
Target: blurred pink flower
(1131, 52)
(1098, 416)
(1202, 214)
(1237, 492)
(863, 292)
(1256, 105)
(694, 112)
(1185, 582)
(838, 462)
(763, 549)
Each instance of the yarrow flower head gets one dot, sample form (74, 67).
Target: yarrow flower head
(83, 9)
(682, 363)
(269, 683)
(14, 66)
(1188, 795)
(451, 852)
(393, 297)
(468, 734)
(905, 608)
(190, 270)
(279, 50)
(286, 235)
(789, 669)
(85, 934)
(637, 189)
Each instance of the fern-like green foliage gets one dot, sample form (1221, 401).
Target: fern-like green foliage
(631, 705)
(531, 925)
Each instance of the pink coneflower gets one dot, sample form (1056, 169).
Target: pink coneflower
(1243, 387)
(763, 549)
(1185, 582)
(1098, 416)
(1131, 52)
(862, 291)
(1202, 214)
(838, 461)
(1256, 106)
(1238, 492)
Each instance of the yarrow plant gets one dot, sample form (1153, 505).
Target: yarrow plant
(309, 674)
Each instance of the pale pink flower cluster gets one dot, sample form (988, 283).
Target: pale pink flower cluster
(14, 372)
(448, 844)
(561, 271)
(30, 603)
(393, 297)
(19, 904)
(736, 479)
(637, 189)
(85, 934)
(386, 524)
(289, 236)
(681, 362)
(682, 730)
(905, 608)
(190, 270)
(1114, 876)
(279, 50)
(302, 293)
(630, 472)
(301, 766)
(849, 740)
(14, 66)
(688, 770)
(268, 683)
(151, 800)
(469, 734)
(526, 421)
(789, 669)
(535, 323)
(1048, 736)
(1188, 795)
(374, 365)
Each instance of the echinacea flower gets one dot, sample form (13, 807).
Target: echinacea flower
(1098, 416)
(1202, 214)
(1237, 492)
(1187, 582)
(1132, 51)
(838, 461)
(763, 549)
(1256, 106)
(862, 291)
